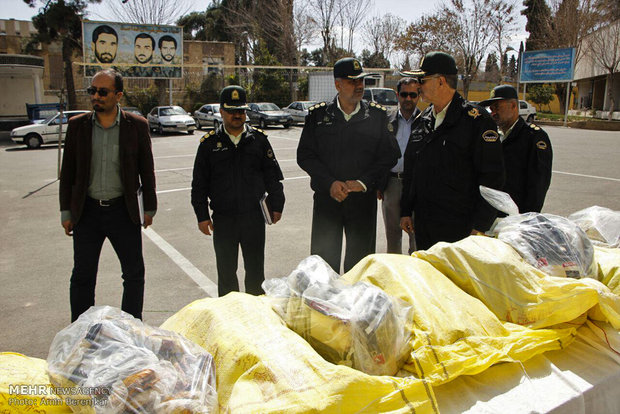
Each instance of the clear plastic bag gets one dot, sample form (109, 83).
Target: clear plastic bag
(499, 200)
(356, 325)
(602, 225)
(553, 244)
(110, 362)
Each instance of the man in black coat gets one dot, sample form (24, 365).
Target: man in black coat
(347, 150)
(454, 148)
(527, 151)
(234, 168)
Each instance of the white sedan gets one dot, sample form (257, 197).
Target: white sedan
(170, 119)
(42, 132)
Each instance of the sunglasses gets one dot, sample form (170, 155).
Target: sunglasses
(422, 80)
(234, 111)
(101, 91)
(412, 95)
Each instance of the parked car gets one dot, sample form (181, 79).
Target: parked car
(383, 96)
(527, 111)
(299, 110)
(267, 113)
(209, 114)
(44, 131)
(170, 119)
(133, 110)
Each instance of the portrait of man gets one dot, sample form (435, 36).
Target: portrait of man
(104, 44)
(167, 48)
(143, 47)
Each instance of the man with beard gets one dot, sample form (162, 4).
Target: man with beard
(143, 49)
(453, 149)
(527, 151)
(347, 149)
(104, 44)
(107, 158)
(167, 48)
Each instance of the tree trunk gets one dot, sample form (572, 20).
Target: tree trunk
(560, 91)
(67, 52)
(610, 93)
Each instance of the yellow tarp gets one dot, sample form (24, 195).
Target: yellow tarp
(453, 333)
(36, 395)
(608, 261)
(492, 271)
(264, 367)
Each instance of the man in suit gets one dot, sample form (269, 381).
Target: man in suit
(527, 151)
(400, 123)
(107, 157)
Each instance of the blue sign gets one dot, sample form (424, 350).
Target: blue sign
(555, 65)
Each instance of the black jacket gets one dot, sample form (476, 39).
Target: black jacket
(234, 178)
(332, 149)
(528, 157)
(444, 167)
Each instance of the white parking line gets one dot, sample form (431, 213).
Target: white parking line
(588, 176)
(175, 156)
(174, 190)
(174, 169)
(192, 271)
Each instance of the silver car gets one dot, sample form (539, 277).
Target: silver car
(299, 110)
(170, 119)
(42, 132)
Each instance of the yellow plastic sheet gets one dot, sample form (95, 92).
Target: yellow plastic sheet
(264, 367)
(25, 386)
(608, 261)
(492, 271)
(453, 333)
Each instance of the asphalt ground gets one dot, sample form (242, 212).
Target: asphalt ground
(36, 256)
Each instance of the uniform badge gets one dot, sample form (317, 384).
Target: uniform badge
(205, 136)
(474, 113)
(234, 95)
(542, 145)
(326, 119)
(219, 144)
(356, 65)
(269, 153)
(390, 127)
(490, 136)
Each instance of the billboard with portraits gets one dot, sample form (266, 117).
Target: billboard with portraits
(135, 50)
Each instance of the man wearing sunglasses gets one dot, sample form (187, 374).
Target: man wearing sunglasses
(234, 167)
(453, 149)
(408, 89)
(107, 158)
(347, 149)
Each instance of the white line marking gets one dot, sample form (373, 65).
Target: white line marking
(196, 275)
(175, 156)
(174, 169)
(587, 176)
(174, 190)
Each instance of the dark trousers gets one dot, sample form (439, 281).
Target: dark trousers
(356, 215)
(96, 224)
(230, 231)
(429, 231)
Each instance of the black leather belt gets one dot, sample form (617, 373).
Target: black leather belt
(397, 174)
(105, 203)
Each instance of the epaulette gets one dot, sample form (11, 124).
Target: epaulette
(259, 130)
(474, 112)
(535, 127)
(205, 136)
(376, 105)
(318, 105)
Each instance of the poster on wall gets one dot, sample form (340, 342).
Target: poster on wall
(135, 50)
(555, 65)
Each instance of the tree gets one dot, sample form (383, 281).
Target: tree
(146, 11)
(326, 14)
(604, 50)
(513, 70)
(538, 24)
(353, 13)
(541, 94)
(304, 25)
(207, 25)
(503, 20)
(382, 34)
(426, 34)
(374, 60)
(60, 21)
(491, 68)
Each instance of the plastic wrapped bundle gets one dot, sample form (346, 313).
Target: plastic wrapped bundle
(110, 362)
(553, 244)
(356, 325)
(601, 224)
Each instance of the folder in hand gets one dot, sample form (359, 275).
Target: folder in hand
(265, 209)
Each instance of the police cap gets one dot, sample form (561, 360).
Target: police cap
(349, 68)
(501, 92)
(233, 97)
(434, 63)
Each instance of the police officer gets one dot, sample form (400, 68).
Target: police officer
(527, 151)
(454, 147)
(347, 150)
(234, 167)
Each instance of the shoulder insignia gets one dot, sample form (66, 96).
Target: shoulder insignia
(260, 130)
(205, 136)
(490, 135)
(219, 144)
(390, 127)
(537, 129)
(270, 153)
(212, 132)
(474, 113)
(322, 104)
(533, 126)
(541, 145)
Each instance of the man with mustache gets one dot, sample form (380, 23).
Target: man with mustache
(167, 49)
(347, 148)
(104, 44)
(527, 151)
(143, 47)
(107, 158)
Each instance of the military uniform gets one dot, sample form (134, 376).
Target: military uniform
(233, 178)
(333, 149)
(443, 170)
(528, 158)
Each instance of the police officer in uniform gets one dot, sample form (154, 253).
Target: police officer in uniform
(527, 151)
(453, 149)
(348, 150)
(234, 167)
